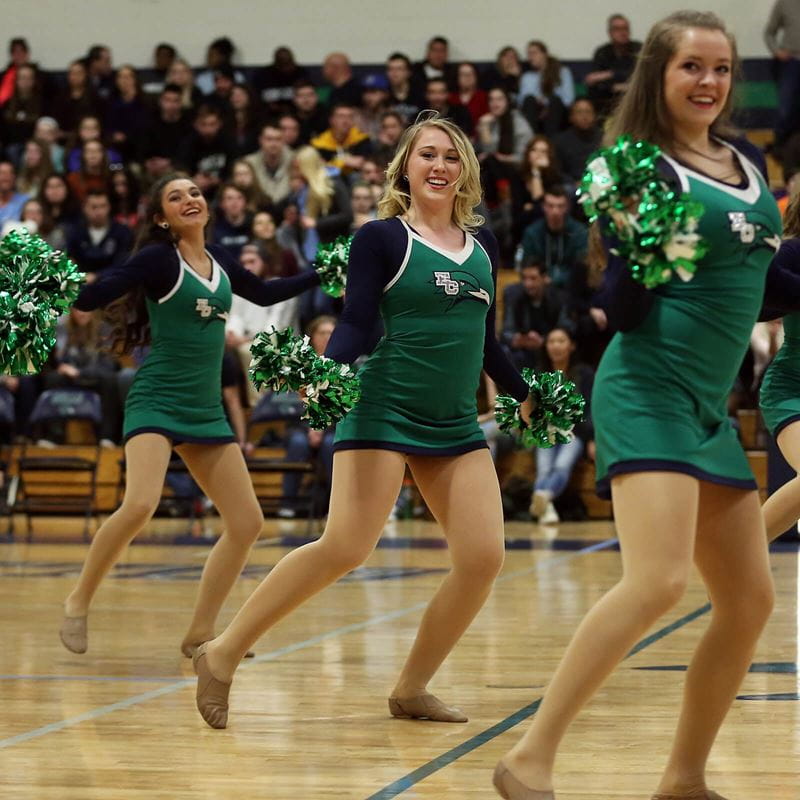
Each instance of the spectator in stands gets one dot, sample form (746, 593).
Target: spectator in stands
(557, 241)
(47, 133)
(612, 65)
(180, 74)
(554, 465)
(505, 72)
(343, 145)
(18, 54)
(290, 128)
(374, 102)
(58, 202)
(24, 390)
(219, 54)
(126, 113)
(391, 129)
(18, 116)
(281, 262)
(363, 204)
(502, 135)
(101, 71)
(97, 242)
(303, 443)
(243, 176)
(275, 83)
(79, 101)
(79, 360)
(89, 130)
(162, 137)
(38, 222)
(404, 95)
(373, 174)
(125, 196)
(531, 309)
(575, 144)
(246, 319)
(11, 201)
(35, 165)
(782, 35)
(232, 220)
(207, 153)
(163, 56)
(546, 89)
(309, 111)
(94, 173)
(271, 163)
(220, 97)
(245, 120)
(791, 182)
(436, 64)
(340, 84)
(437, 97)
(468, 92)
(539, 171)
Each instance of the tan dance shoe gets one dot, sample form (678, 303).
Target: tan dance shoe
(424, 706)
(510, 788)
(74, 634)
(212, 694)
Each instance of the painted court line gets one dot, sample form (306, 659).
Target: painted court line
(445, 759)
(144, 697)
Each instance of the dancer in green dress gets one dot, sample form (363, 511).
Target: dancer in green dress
(176, 398)
(429, 270)
(780, 390)
(680, 483)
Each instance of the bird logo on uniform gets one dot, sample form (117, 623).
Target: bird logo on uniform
(210, 310)
(458, 286)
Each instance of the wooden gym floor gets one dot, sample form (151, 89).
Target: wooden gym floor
(309, 717)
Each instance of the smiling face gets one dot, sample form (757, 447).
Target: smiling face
(559, 346)
(183, 206)
(433, 167)
(697, 80)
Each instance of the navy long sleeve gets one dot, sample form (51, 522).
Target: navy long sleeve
(782, 289)
(155, 269)
(376, 254)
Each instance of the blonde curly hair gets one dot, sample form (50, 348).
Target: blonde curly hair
(396, 198)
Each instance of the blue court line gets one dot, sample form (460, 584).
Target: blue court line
(144, 697)
(440, 762)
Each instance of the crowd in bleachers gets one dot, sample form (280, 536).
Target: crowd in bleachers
(290, 157)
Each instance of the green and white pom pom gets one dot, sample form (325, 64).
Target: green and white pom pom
(653, 224)
(558, 406)
(285, 362)
(37, 285)
(331, 265)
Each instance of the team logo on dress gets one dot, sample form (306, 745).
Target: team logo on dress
(210, 310)
(753, 229)
(458, 286)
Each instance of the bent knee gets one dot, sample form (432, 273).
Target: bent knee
(658, 594)
(246, 529)
(139, 509)
(752, 604)
(482, 563)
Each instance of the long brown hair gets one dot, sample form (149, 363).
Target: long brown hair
(642, 111)
(550, 74)
(791, 219)
(551, 174)
(130, 323)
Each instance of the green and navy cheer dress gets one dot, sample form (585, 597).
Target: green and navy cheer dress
(780, 390)
(177, 391)
(661, 390)
(419, 386)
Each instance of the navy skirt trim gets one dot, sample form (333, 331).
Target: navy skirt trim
(603, 488)
(411, 450)
(179, 438)
(785, 424)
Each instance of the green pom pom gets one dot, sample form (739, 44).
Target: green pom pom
(655, 226)
(558, 406)
(331, 265)
(37, 285)
(285, 362)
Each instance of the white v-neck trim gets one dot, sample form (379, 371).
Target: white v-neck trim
(458, 257)
(748, 194)
(212, 283)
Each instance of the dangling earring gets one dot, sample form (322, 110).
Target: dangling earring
(165, 225)
(405, 178)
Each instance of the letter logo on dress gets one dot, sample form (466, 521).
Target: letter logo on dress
(206, 309)
(754, 229)
(459, 285)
